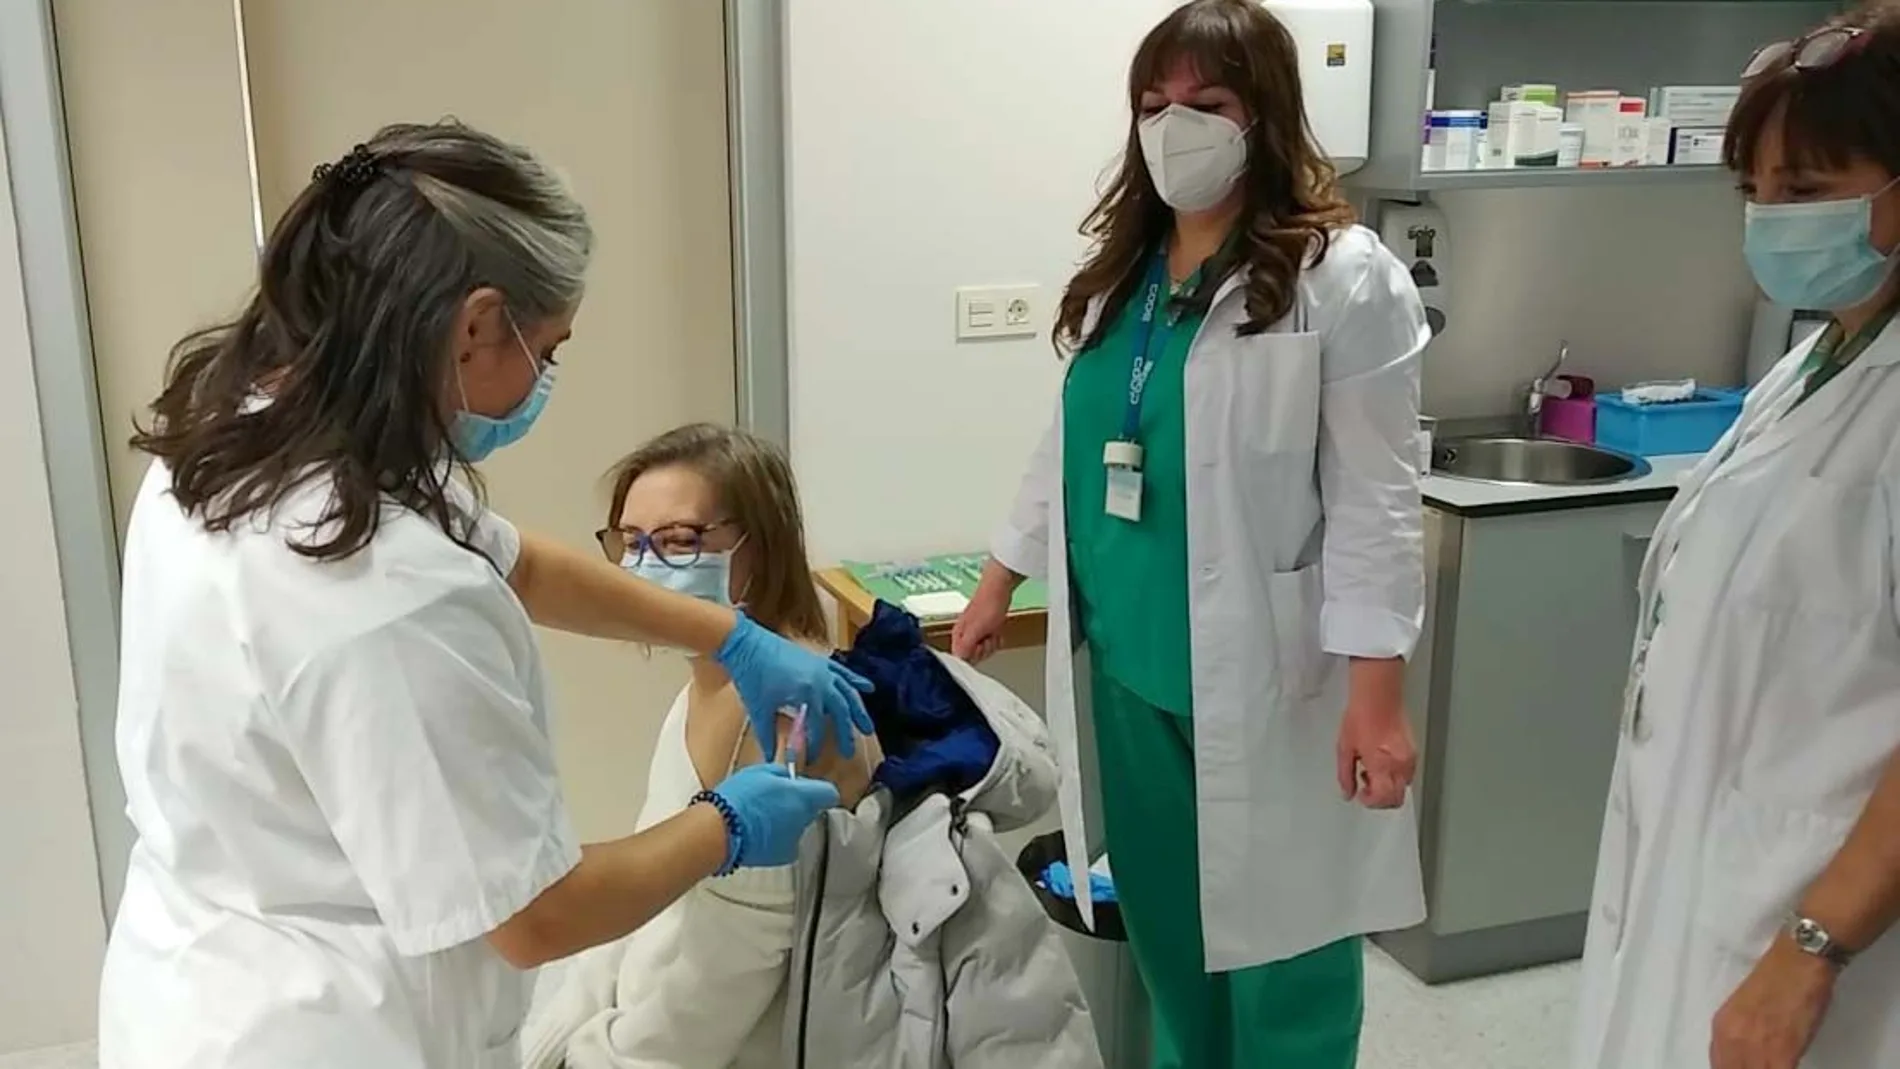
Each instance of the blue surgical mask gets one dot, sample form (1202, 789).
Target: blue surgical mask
(1817, 255)
(477, 436)
(709, 578)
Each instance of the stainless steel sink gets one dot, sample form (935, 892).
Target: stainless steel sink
(1534, 462)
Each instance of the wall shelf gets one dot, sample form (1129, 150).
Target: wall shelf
(1630, 45)
(1568, 177)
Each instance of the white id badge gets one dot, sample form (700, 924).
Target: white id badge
(1124, 494)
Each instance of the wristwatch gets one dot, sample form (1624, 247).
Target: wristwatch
(1811, 938)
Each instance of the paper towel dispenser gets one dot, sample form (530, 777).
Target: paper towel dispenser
(1334, 39)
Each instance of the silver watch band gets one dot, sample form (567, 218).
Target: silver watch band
(1810, 937)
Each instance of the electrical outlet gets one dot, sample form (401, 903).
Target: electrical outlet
(998, 312)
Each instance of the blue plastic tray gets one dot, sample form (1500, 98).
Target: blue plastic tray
(1669, 429)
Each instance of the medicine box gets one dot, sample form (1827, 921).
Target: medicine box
(1632, 133)
(1523, 134)
(1546, 138)
(1453, 143)
(1531, 93)
(1694, 105)
(1695, 147)
(1659, 134)
(1507, 119)
(1597, 112)
(1570, 145)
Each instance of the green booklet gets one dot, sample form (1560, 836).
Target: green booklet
(893, 581)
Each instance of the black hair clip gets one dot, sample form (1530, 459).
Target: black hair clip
(356, 168)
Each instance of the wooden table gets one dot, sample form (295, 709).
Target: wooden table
(1021, 630)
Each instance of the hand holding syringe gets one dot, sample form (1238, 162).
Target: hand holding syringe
(795, 744)
(806, 758)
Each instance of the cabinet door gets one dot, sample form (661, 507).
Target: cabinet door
(1545, 618)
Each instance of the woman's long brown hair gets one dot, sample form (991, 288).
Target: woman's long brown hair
(754, 483)
(1293, 204)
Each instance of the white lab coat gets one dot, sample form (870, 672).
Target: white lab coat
(341, 780)
(1769, 706)
(1305, 546)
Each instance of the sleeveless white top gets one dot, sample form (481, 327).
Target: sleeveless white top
(672, 781)
(701, 986)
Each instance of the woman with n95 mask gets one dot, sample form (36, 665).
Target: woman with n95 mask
(333, 712)
(1229, 501)
(1749, 876)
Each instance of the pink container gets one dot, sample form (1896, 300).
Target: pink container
(1573, 419)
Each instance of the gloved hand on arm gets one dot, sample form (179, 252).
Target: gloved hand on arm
(769, 811)
(773, 674)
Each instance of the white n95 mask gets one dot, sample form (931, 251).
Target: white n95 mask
(1194, 157)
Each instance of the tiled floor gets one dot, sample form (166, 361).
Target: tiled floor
(1515, 1021)
(79, 1057)
(1519, 1021)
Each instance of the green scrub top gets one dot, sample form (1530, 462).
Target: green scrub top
(1131, 579)
(1833, 352)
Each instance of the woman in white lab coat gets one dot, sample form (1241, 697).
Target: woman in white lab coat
(1752, 844)
(1227, 511)
(332, 711)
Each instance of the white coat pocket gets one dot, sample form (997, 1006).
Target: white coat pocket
(1294, 599)
(1276, 379)
(1759, 858)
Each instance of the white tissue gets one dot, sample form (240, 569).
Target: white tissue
(938, 605)
(1656, 393)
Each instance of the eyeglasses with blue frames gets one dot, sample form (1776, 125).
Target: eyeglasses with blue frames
(677, 545)
(1815, 51)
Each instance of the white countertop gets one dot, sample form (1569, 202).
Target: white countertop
(1665, 473)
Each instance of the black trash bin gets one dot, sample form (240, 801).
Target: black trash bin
(1116, 1001)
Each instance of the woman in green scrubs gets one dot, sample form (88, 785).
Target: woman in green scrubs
(1237, 420)
(1131, 583)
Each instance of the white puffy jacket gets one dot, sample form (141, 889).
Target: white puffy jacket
(915, 944)
(919, 944)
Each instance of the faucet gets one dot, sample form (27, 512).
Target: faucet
(1539, 389)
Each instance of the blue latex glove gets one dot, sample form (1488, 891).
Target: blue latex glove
(773, 809)
(773, 674)
(1061, 882)
(1057, 879)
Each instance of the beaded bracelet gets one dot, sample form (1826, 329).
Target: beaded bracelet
(735, 832)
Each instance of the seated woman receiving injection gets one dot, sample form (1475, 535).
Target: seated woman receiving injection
(713, 513)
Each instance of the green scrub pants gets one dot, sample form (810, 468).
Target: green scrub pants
(1304, 1013)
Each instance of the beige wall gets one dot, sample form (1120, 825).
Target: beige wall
(155, 124)
(50, 928)
(626, 98)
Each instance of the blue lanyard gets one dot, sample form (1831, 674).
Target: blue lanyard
(1141, 361)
